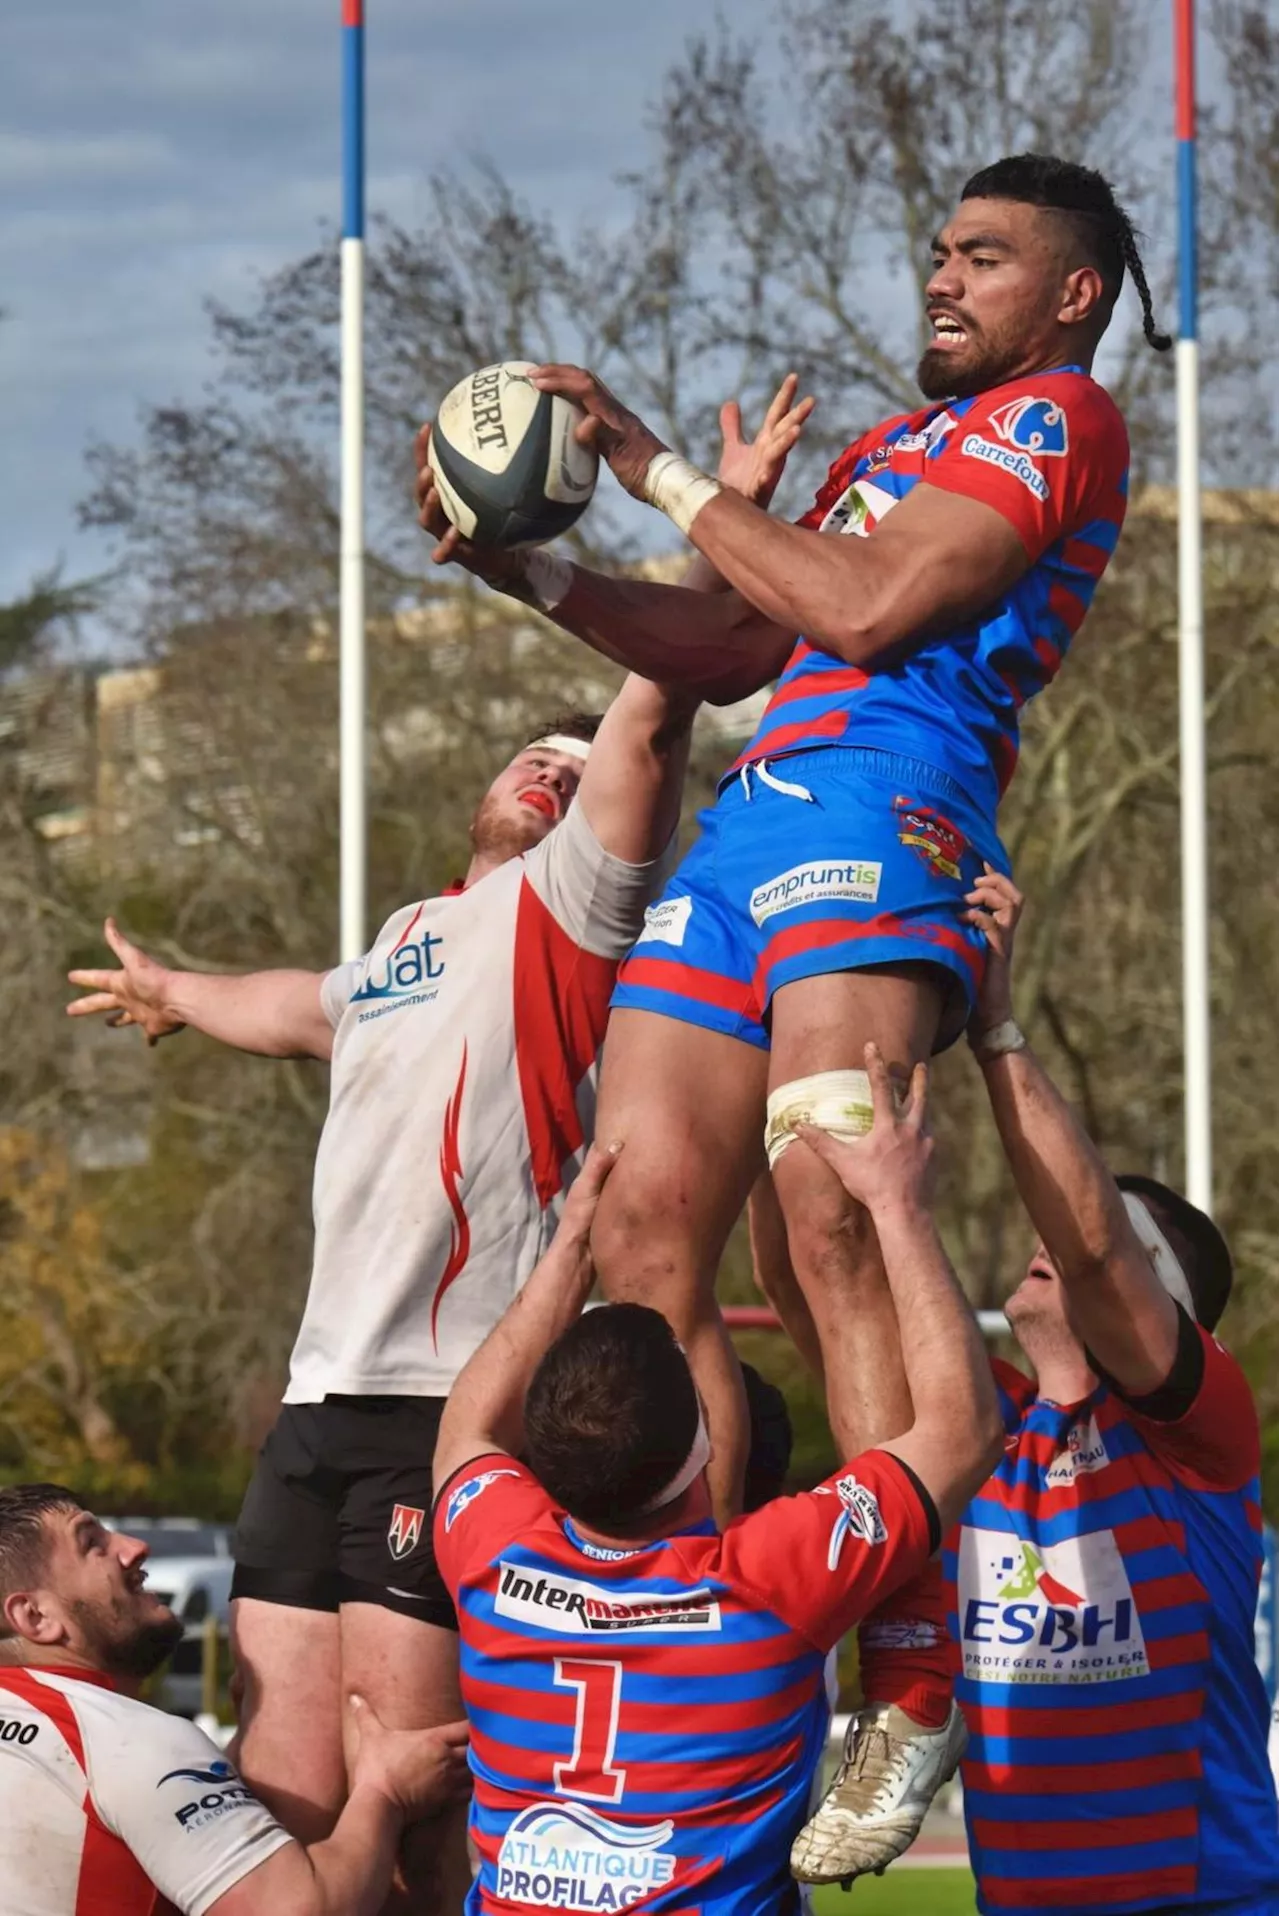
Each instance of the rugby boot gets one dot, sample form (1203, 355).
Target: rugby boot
(890, 1773)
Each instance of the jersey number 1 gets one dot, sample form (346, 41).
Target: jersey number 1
(590, 1771)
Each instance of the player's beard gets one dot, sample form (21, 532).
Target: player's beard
(122, 1644)
(985, 361)
(501, 831)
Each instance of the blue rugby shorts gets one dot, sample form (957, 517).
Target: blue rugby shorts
(833, 859)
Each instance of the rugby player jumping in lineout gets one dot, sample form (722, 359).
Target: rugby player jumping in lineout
(463, 1050)
(824, 905)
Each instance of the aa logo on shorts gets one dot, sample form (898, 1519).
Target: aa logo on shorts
(405, 1529)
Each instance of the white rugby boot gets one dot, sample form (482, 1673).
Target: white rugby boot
(890, 1773)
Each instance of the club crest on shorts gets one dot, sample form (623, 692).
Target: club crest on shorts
(404, 1529)
(941, 844)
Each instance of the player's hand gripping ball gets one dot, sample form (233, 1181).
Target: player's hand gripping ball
(507, 465)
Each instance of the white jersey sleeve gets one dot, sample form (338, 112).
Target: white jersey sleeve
(599, 900)
(168, 1793)
(336, 988)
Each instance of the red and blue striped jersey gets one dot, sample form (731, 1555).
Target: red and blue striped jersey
(646, 1722)
(1051, 455)
(1101, 1591)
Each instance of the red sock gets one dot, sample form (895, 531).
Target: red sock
(903, 1653)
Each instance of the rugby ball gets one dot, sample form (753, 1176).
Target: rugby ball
(507, 466)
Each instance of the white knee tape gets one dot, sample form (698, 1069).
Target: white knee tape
(834, 1101)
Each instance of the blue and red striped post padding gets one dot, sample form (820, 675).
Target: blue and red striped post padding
(1184, 54)
(353, 119)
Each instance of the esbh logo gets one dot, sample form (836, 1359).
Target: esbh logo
(1046, 1613)
(1085, 1452)
(220, 1791)
(1037, 426)
(566, 1856)
(410, 966)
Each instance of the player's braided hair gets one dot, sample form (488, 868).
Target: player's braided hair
(1084, 197)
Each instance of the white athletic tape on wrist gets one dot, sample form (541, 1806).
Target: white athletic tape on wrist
(697, 1460)
(998, 1041)
(834, 1101)
(548, 578)
(561, 742)
(679, 489)
(1163, 1257)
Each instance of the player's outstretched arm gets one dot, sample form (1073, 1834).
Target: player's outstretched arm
(1119, 1308)
(712, 643)
(398, 1776)
(937, 560)
(485, 1408)
(632, 782)
(955, 1441)
(277, 1014)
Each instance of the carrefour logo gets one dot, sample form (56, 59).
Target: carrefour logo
(1015, 463)
(1046, 1613)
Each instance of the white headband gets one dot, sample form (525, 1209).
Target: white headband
(697, 1460)
(561, 742)
(1164, 1262)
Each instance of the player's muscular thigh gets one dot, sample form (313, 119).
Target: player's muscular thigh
(688, 1106)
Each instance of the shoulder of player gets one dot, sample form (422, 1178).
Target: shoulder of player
(1088, 406)
(101, 1726)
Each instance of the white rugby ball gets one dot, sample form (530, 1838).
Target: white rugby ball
(507, 466)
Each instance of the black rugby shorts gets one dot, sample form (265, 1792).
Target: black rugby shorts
(338, 1510)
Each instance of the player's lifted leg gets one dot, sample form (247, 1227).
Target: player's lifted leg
(687, 1103)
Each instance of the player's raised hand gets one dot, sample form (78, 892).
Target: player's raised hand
(893, 1162)
(753, 467)
(418, 1770)
(619, 436)
(486, 562)
(573, 1233)
(135, 995)
(995, 905)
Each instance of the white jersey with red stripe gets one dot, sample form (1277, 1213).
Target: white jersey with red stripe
(462, 1091)
(111, 1808)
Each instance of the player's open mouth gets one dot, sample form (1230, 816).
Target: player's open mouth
(541, 801)
(947, 330)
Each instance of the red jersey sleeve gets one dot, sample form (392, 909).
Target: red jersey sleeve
(1215, 1444)
(1051, 454)
(479, 1510)
(822, 1560)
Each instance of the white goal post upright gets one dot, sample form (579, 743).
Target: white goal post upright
(353, 829)
(1197, 1092)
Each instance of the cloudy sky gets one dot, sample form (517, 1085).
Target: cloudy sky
(154, 152)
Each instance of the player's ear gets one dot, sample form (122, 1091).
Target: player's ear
(1082, 294)
(26, 1617)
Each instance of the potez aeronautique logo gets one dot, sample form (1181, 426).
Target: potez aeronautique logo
(569, 1607)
